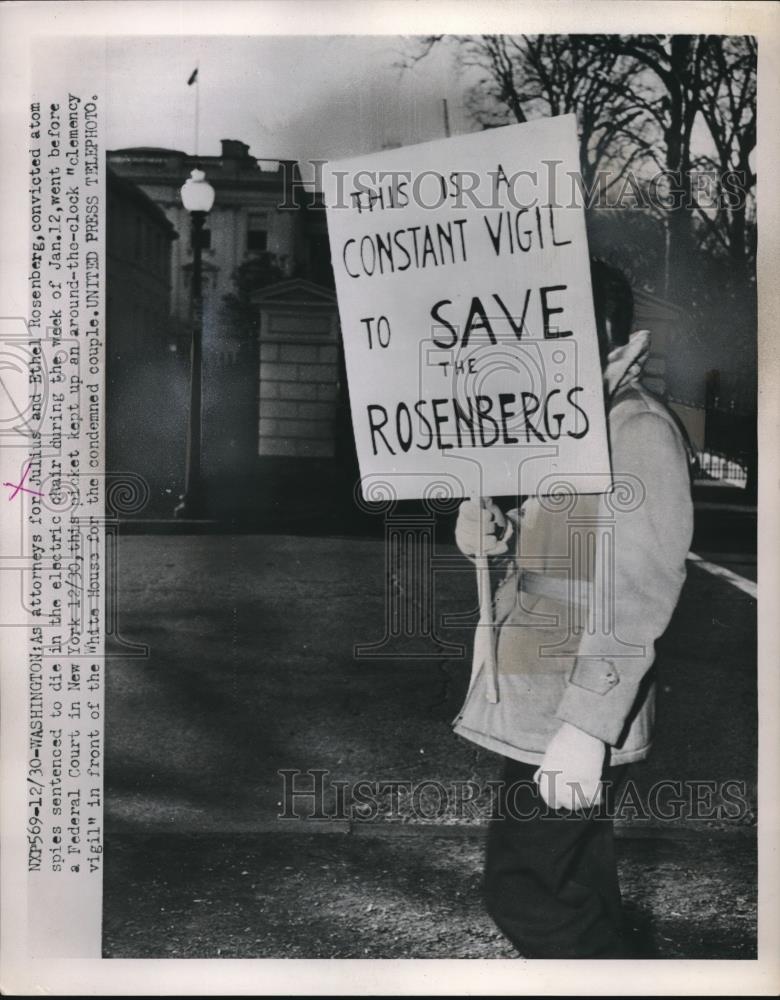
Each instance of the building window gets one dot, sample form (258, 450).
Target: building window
(257, 232)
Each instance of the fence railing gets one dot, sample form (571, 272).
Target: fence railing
(715, 465)
(722, 441)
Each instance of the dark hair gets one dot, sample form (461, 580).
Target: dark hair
(613, 301)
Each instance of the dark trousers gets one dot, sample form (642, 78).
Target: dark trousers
(551, 880)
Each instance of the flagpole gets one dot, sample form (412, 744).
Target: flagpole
(197, 109)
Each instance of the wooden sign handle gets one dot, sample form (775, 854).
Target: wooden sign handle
(484, 638)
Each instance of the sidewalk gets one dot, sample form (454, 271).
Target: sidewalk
(311, 896)
(250, 670)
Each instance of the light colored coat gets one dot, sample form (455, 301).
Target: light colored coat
(590, 588)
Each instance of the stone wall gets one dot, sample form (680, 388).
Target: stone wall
(299, 382)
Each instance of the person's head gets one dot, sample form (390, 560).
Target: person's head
(614, 305)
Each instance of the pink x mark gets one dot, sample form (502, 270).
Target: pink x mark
(17, 487)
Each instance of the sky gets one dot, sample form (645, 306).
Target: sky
(287, 97)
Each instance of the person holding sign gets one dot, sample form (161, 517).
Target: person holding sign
(591, 581)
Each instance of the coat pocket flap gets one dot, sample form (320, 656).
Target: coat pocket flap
(596, 674)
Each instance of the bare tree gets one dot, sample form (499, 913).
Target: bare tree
(637, 100)
(709, 79)
(518, 78)
(728, 106)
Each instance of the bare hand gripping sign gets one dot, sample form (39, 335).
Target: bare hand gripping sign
(463, 281)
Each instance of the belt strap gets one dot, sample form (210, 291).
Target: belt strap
(556, 588)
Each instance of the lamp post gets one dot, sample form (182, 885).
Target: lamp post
(197, 196)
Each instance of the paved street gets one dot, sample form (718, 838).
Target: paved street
(250, 671)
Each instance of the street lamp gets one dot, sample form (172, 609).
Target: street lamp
(197, 196)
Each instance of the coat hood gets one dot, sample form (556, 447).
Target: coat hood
(625, 363)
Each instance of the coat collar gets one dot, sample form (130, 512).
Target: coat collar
(625, 363)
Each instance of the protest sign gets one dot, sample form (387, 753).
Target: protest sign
(463, 281)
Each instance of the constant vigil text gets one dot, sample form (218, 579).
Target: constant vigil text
(467, 314)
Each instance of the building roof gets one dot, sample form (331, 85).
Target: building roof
(132, 192)
(233, 167)
(294, 291)
(149, 149)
